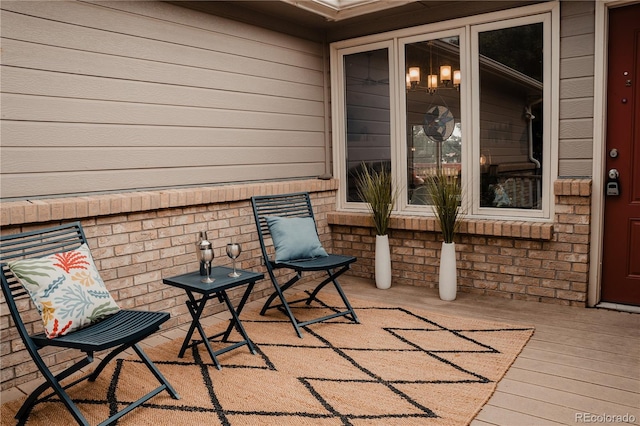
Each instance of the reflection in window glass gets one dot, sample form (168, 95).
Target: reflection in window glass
(434, 133)
(367, 114)
(511, 95)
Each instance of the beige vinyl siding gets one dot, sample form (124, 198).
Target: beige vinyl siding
(118, 96)
(575, 133)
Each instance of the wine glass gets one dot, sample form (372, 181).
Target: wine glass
(206, 252)
(233, 251)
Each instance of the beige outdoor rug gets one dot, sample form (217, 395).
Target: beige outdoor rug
(398, 367)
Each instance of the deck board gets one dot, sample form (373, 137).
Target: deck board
(577, 373)
(494, 415)
(578, 387)
(555, 412)
(578, 403)
(575, 361)
(592, 349)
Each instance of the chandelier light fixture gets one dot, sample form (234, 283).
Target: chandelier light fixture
(447, 78)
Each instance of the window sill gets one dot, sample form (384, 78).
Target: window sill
(494, 228)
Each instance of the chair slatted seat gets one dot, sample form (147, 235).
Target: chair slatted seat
(292, 206)
(116, 333)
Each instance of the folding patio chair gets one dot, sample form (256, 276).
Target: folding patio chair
(289, 240)
(115, 332)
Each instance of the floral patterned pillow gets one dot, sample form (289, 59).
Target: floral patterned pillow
(67, 290)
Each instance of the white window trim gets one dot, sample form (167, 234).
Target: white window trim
(403, 200)
(339, 114)
(392, 40)
(549, 82)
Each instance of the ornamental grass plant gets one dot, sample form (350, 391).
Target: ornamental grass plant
(376, 188)
(446, 193)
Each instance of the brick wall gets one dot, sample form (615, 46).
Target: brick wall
(139, 238)
(545, 262)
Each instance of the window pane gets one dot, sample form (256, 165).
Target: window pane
(511, 64)
(368, 114)
(434, 133)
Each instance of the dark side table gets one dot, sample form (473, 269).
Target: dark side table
(199, 293)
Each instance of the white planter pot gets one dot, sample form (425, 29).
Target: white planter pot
(448, 284)
(383, 262)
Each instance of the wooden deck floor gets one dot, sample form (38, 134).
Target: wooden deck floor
(580, 363)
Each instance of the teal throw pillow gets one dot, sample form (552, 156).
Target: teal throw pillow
(294, 238)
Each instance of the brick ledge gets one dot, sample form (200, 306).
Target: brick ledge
(495, 228)
(572, 187)
(70, 208)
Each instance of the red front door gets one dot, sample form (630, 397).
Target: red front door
(621, 242)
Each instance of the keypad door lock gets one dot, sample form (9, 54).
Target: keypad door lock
(613, 186)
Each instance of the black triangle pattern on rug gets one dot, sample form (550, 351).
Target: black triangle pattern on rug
(414, 341)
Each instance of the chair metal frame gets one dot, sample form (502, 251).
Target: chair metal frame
(298, 205)
(116, 333)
